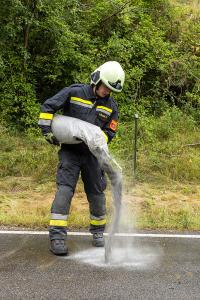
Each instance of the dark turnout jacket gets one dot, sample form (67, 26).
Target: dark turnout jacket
(79, 101)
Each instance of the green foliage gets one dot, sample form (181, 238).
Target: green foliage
(46, 45)
(167, 126)
(27, 155)
(162, 146)
(162, 150)
(18, 103)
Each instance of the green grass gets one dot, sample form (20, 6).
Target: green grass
(164, 194)
(162, 147)
(186, 218)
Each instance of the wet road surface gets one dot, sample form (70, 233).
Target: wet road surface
(141, 268)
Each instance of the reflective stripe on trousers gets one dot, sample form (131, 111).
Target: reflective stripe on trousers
(58, 220)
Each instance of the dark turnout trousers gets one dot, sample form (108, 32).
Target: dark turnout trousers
(73, 160)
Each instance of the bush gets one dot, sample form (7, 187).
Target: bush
(18, 105)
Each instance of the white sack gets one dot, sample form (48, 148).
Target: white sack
(67, 130)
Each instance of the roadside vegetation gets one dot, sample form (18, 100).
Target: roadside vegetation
(164, 192)
(46, 45)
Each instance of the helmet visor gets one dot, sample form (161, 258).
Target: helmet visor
(116, 85)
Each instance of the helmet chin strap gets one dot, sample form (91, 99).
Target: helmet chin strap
(95, 90)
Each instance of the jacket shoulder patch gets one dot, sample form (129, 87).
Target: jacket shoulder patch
(113, 125)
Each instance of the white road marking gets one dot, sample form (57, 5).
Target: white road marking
(148, 235)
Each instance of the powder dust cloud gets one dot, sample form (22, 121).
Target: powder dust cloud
(126, 251)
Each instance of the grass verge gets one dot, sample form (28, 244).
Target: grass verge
(164, 195)
(171, 206)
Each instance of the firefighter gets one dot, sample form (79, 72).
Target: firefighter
(91, 103)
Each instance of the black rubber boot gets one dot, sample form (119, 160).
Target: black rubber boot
(58, 247)
(98, 239)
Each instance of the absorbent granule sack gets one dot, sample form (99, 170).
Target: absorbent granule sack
(70, 130)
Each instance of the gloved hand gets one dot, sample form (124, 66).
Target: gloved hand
(50, 138)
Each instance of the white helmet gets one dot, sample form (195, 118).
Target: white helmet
(111, 74)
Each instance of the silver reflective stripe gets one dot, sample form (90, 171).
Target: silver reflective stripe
(104, 111)
(97, 218)
(58, 217)
(44, 122)
(81, 104)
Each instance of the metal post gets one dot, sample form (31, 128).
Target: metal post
(136, 117)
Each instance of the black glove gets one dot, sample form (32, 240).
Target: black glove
(50, 138)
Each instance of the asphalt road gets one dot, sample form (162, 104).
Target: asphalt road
(141, 268)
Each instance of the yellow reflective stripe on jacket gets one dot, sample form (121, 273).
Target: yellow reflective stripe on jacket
(98, 222)
(81, 100)
(46, 116)
(106, 137)
(105, 108)
(58, 223)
